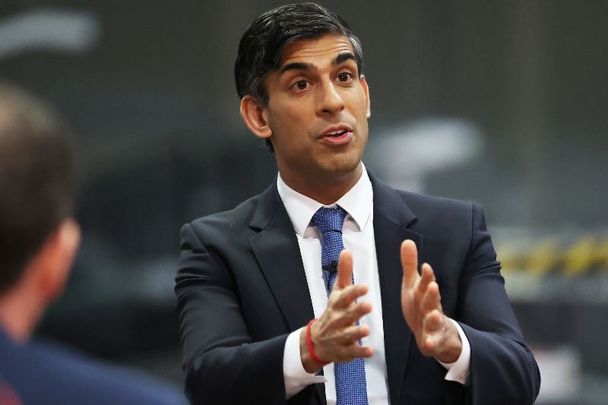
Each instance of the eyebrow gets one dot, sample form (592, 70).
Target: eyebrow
(341, 58)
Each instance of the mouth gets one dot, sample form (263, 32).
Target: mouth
(337, 135)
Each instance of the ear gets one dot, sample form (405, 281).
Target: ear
(366, 91)
(54, 260)
(255, 115)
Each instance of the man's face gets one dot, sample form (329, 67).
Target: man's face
(317, 110)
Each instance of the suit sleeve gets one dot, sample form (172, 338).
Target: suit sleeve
(503, 370)
(222, 364)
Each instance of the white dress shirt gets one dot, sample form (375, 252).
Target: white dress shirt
(358, 237)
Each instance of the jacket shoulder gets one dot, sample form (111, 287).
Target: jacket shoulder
(422, 202)
(239, 215)
(54, 374)
(440, 215)
(240, 220)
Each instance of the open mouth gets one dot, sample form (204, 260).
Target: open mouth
(341, 136)
(337, 134)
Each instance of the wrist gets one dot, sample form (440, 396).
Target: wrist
(311, 346)
(452, 346)
(310, 360)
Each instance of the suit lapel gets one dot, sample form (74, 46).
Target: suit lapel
(391, 219)
(276, 249)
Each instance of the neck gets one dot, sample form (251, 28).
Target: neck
(18, 314)
(324, 189)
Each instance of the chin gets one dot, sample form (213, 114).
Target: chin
(343, 167)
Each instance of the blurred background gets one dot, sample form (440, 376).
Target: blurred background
(502, 103)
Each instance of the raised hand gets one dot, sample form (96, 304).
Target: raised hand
(435, 335)
(334, 335)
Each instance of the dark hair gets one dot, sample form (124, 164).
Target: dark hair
(262, 44)
(37, 180)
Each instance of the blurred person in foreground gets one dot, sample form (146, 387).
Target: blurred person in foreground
(38, 241)
(417, 312)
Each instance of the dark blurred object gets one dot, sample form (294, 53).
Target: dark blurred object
(38, 242)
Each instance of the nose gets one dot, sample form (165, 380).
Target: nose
(330, 100)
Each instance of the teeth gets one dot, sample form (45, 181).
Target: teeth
(333, 133)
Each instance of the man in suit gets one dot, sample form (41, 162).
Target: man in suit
(38, 241)
(413, 311)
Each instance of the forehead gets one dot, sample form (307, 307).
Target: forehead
(307, 50)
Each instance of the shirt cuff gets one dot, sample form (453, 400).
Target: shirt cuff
(458, 371)
(296, 377)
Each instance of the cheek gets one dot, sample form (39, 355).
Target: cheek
(291, 124)
(287, 117)
(358, 105)
(289, 132)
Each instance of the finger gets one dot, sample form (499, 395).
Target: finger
(432, 299)
(426, 277)
(409, 261)
(433, 322)
(354, 351)
(429, 345)
(346, 297)
(354, 334)
(432, 338)
(345, 270)
(422, 285)
(354, 313)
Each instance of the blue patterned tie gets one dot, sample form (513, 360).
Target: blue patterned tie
(351, 388)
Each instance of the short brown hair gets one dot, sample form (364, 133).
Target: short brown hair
(37, 179)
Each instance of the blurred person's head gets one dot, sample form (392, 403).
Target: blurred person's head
(298, 73)
(38, 237)
(261, 46)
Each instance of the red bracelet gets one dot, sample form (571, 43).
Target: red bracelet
(311, 347)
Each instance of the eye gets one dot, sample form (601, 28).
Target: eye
(300, 85)
(345, 77)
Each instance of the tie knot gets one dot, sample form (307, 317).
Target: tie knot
(329, 219)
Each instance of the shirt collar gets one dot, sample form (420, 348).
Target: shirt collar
(357, 202)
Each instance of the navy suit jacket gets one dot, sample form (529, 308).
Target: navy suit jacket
(241, 289)
(54, 375)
